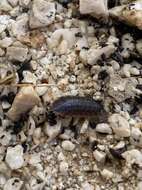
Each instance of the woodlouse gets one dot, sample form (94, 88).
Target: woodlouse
(76, 106)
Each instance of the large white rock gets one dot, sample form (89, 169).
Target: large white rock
(119, 125)
(24, 101)
(14, 157)
(43, 13)
(96, 8)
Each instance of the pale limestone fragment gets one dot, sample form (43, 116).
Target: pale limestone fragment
(14, 157)
(96, 8)
(119, 125)
(13, 3)
(133, 156)
(24, 101)
(107, 174)
(68, 145)
(94, 55)
(20, 26)
(17, 53)
(103, 128)
(43, 13)
(5, 6)
(130, 13)
(99, 156)
(13, 184)
(6, 42)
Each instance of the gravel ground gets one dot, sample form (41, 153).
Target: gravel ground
(55, 48)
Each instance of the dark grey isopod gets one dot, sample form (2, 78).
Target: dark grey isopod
(76, 106)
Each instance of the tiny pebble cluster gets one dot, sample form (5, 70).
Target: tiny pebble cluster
(82, 48)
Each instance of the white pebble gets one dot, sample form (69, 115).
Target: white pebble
(119, 125)
(133, 156)
(134, 71)
(14, 157)
(139, 46)
(97, 8)
(17, 53)
(43, 13)
(26, 94)
(64, 167)
(87, 186)
(84, 127)
(99, 156)
(52, 131)
(13, 184)
(139, 187)
(136, 136)
(68, 145)
(103, 128)
(107, 174)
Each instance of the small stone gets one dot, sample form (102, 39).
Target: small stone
(20, 26)
(139, 187)
(136, 136)
(64, 167)
(84, 127)
(34, 159)
(2, 180)
(68, 145)
(107, 174)
(133, 156)
(94, 55)
(61, 156)
(43, 13)
(41, 90)
(14, 157)
(126, 70)
(127, 44)
(134, 71)
(13, 3)
(139, 175)
(67, 36)
(52, 131)
(5, 137)
(29, 77)
(6, 42)
(5, 6)
(2, 52)
(119, 125)
(24, 101)
(13, 184)
(24, 3)
(96, 8)
(87, 186)
(103, 128)
(99, 156)
(139, 47)
(17, 53)
(37, 135)
(131, 13)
